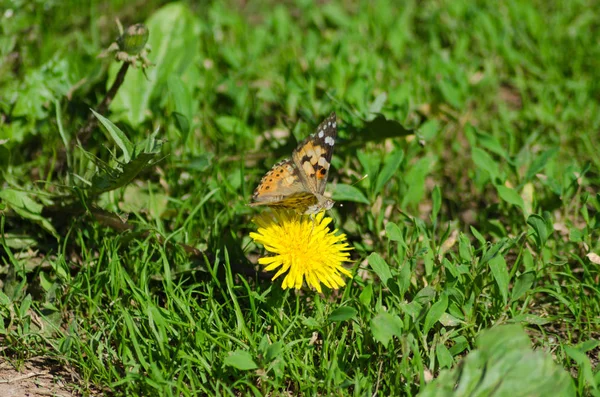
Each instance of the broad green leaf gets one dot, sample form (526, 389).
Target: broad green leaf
(493, 252)
(404, 277)
(429, 130)
(491, 143)
(539, 163)
(182, 104)
(233, 125)
(240, 359)
(381, 268)
(174, 46)
(503, 364)
(510, 196)
(443, 356)
(412, 309)
(343, 313)
(25, 305)
(500, 273)
(451, 93)
(435, 313)
(522, 285)
(393, 232)
(4, 299)
(345, 192)
(477, 235)
(377, 104)
(585, 366)
(385, 326)
(425, 295)
(366, 295)
(448, 320)
(117, 135)
(540, 230)
(311, 323)
(415, 180)
(369, 163)
(390, 167)
(428, 256)
(274, 351)
(465, 248)
(485, 162)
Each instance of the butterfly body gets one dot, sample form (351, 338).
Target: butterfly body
(299, 183)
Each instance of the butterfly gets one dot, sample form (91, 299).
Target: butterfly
(299, 183)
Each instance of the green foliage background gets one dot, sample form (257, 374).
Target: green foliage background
(125, 254)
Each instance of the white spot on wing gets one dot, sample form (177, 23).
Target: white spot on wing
(321, 134)
(329, 140)
(334, 124)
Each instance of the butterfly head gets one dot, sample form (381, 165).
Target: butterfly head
(323, 203)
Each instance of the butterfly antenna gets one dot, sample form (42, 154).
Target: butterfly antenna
(361, 179)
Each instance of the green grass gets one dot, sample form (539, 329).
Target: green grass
(125, 255)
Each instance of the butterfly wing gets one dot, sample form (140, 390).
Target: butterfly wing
(282, 187)
(312, 157)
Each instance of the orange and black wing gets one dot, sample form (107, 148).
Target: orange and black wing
(312, 157)
(282, 187)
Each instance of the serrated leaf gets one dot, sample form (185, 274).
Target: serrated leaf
(240, 359)
(27, 207)
(345, 192)
(113, 178)
(385, 326)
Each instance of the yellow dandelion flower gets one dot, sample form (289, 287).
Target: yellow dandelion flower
(304, 246)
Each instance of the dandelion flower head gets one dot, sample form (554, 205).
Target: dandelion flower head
(304, 247)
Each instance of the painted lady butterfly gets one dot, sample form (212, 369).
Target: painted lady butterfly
(299, 183)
